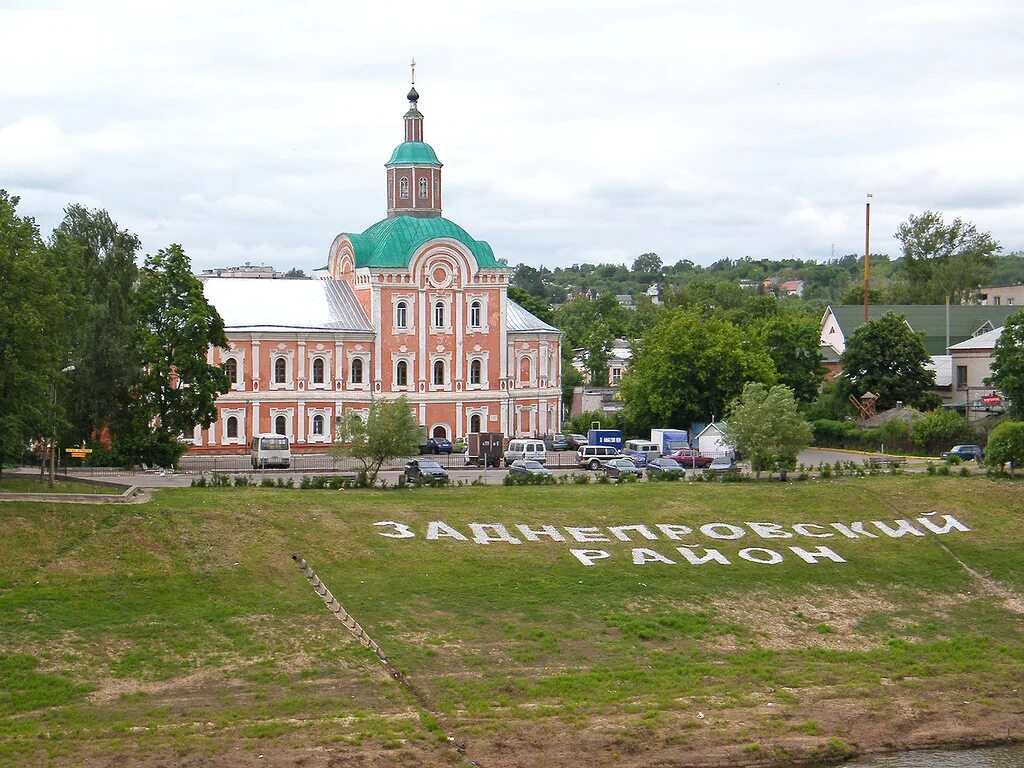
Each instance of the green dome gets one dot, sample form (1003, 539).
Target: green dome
(414, 153)
(392, 242)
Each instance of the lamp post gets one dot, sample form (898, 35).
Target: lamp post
(53, 435)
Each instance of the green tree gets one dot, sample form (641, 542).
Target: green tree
(793, 340)
(532, 304)
(295, 274)
(99, 259)
(686, 368)
(32, 300)
(597, 349)
(939, 428)
(941, 260)
(388, 432)
(1008, 364)
(176, 388)
(1006, 445)
(647, 264)
(765, 426)
(528, 279)
(886, 357)
(571, 378)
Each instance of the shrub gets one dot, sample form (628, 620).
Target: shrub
(1006, 445)
(825, 471)
(218, 480)
(930, 468)
(241, 481)
(829, 432)
(267, 482)
(660, 477)
(965, 472)
(432, 482)
(529, 479)
(940, 427)
(198, 482)
(626, 479)
(944, 470)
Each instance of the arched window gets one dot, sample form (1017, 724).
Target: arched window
(391, 189)
(423, 188)
(232, 426)
(475, 369)
(231, 369)
(439, 371)
(318, 370)
(474, 422)
(403, 188)
(474, 315)
(280, 370)
(357, 370)
(402, 374)
(524, 369)
(401, 315)
(281, 425)
(318, 424)
(439, 431)
(439, 314)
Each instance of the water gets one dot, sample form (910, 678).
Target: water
(996, 757)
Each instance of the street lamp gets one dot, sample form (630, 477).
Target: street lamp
(53, 436)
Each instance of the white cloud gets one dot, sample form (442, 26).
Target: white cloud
(34, 151)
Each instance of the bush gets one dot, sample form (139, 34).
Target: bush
(198, 482)
(217, 480)
(529, 479)
(660, 477)
(825, 471)
(267, 482)
(432, 482)
(938, 428)
(1006, 445)
(831, 433)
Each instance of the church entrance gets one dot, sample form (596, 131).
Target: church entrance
(439, 431)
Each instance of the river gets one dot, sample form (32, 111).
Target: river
(995, 757)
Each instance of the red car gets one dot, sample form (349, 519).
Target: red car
(690, 459)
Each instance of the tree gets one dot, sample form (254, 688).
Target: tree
(597, 349)
(793, 340)
(571, 378)
(938, 428)
(685, 369)
(1006, 445)
(388, 431)
(99, 258)
(941, 260)
(648, 264)
(528, 279)
(295, 274)
(175, 388)
(886, 357)
(765, 426)
(1008, 364)
(531, 303)
(32, 300)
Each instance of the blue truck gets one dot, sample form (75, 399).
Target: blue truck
(611, 438)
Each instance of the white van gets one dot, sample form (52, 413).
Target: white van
(270, 450)
(525, 449)
(641, 451)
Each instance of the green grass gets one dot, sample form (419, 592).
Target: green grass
(123, 628)
(23, 484)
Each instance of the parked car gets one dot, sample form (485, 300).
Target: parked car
(618, 467)
(559, 443)
(593, 456)
(420, 468)
(459, 446)
(528, 467)
(965, 452)
(576, 441)
(436, 445)
(525, 449)
(688, 458)
(722, 464)
(664, 466)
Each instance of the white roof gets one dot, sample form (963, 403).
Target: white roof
(519, 320)
(943, 367)
(985, 340)
(251, 304)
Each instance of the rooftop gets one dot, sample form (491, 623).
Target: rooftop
(414, 153)
(392, 242)
(253, 304)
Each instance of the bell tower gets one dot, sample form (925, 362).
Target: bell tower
(414, 172)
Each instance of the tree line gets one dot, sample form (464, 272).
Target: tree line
(97, 350)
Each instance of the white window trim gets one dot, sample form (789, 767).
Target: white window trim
(238, 355)
(484, 358)
(403, 188)
(327, 436)
(289, 420)
(410, 313)
(446, 358)
(328, 358)
(364, 385)
(531, 355)
(238, 413)
(289, 369)
(483, 327)
(410, 380)
(448, 312)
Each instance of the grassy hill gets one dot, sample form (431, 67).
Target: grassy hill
(180, 632)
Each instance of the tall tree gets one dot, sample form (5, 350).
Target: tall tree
(686, 368)
(387, 432)
(941, 260)
(1008, 364)
(793, 340)
(32, 299)
(102, 276)
(764, 425)
(648, 264)
(886, 357)
(176, 388)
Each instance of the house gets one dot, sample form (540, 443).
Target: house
(412, 305)
(792, 288)
(625, 301)
(711, 441)
(247, 270)
(1002, 295)
(971, 364)
(618, 360)
(964, 321)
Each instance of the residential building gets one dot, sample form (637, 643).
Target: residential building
(1002, 295)
(971, 365)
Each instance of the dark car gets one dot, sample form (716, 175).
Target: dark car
(690, 459)
(436, 445)
(965, 453)
(576, 441)
(558, 443)
(421, 468)
(665, 467)
(528, 467)
(619, 467)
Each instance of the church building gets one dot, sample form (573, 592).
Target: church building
(412, 305)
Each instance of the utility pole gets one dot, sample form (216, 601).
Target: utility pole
(867, 252)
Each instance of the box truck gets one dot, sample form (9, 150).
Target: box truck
(611, 438)
(670, 439)
(484, 449)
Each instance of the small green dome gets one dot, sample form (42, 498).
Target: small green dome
(414, 153)
(392, 242)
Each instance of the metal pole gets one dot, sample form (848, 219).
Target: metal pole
(867, 252)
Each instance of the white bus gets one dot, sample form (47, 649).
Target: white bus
(270, 450)
(641, 451)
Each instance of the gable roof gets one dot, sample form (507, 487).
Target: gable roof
(930, 319)
(519, 319)
(985, 340)
(253, 304)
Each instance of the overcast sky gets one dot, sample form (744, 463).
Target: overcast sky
(569, 132)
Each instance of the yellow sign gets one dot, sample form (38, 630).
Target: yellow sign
(78, 453)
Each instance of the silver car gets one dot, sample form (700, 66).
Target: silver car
(528, 467)
(619, 467)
